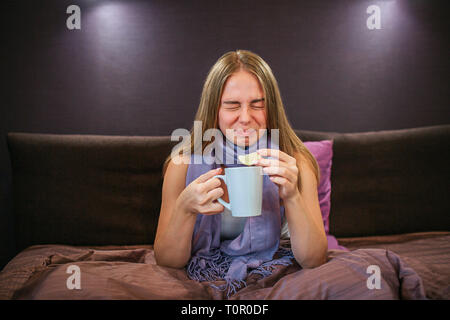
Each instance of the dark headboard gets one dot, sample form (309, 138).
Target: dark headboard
(102, 190)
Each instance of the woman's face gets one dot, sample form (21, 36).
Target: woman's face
(242, 108)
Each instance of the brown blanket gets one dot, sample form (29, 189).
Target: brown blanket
(130, 272)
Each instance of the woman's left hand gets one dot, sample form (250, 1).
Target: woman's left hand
(282, 170)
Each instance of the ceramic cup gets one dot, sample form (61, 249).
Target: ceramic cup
(244, 186)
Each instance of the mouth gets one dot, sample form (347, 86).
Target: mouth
(244, 132)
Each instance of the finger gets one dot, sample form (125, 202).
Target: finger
(213, 208)
(280, 171)
(277, 154)
(214, 194)
(206, 176)
(270, 162)
(279, 180)
(211, 184)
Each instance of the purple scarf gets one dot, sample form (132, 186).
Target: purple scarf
(252, 252)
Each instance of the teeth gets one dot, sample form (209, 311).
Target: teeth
(246, 131)
(249, 159)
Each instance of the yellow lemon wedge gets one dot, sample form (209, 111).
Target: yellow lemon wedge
(249, 159)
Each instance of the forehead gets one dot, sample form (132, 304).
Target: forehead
(242, 84)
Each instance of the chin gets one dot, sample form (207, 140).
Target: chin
(245, 141)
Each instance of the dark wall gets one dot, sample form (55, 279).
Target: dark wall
(137, 67)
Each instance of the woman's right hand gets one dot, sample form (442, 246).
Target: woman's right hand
(201, 195)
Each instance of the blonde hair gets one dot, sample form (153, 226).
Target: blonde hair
(207, 112)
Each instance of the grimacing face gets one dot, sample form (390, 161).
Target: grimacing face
(242, 108)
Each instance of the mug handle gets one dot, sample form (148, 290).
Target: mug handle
(225, 204)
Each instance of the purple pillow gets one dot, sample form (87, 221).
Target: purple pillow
(323, 152)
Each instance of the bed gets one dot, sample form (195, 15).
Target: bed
(86, 209)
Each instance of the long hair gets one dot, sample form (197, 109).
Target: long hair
(208, 109)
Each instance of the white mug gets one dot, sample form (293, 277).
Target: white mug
(245, 186)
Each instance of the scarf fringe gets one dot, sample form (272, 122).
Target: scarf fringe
(215, 267)
(267, 268)
(231, 286)
(209, 268)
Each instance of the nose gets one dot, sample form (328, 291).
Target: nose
(245, 116)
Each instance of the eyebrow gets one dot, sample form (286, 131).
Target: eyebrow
(237, 102)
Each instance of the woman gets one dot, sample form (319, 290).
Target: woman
(240, 97)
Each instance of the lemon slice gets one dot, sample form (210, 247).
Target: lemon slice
(249, 159)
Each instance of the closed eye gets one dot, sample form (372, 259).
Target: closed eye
(257, 103)
(232, 107)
